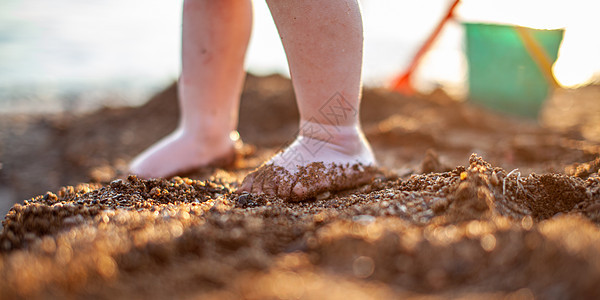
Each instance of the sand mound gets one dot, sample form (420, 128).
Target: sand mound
(475, 230)
(522, 223)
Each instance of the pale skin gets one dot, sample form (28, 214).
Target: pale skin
(323, 41)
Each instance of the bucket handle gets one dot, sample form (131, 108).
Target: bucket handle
(539, 55)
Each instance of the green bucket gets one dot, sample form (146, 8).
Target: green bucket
(503, 73)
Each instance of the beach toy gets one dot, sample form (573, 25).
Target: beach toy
(510, 67)
(402, 83)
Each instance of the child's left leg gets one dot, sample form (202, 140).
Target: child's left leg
(214, 40)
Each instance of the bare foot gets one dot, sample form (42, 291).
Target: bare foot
(181, 152)
(332, 159)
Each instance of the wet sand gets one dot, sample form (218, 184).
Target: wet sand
(440, 222)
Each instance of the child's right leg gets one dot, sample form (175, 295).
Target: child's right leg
(214, 42)
(323, 41)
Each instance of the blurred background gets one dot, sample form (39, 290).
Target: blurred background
(67, 55)
(62, 61)
(63, 57)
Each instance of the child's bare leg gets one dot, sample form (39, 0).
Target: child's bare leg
(215, 38)
(323, 41)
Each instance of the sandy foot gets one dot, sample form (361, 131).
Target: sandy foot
(179, 153)
(309, 167)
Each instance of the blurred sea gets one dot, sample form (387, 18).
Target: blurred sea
(78, 55)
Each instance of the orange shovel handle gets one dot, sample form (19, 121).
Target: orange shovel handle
(402, 82)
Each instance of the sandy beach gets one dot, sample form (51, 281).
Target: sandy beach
(472, 204)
